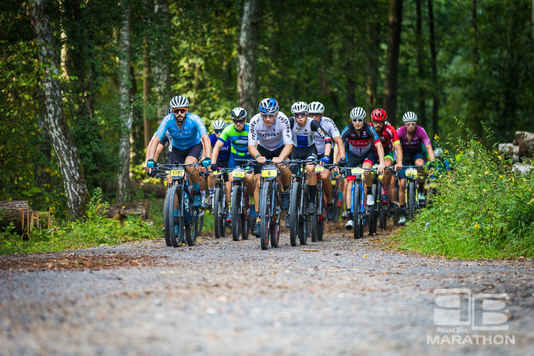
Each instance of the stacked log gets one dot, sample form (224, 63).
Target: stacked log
(18, 212)
(521, 150)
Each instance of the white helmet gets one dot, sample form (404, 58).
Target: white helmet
(218, 125)
(316, 108)
(409, 116)
(357, 113)
(299, 106)
(238, 113)
(269, 106)
(179, 102)
(438, 152)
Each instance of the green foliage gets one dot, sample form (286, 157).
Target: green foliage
(96, 230)
(483, 209)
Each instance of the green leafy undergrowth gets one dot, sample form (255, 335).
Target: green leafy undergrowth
(482, 210)
(96, 230)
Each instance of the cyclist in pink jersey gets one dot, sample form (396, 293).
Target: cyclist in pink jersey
(411, 137)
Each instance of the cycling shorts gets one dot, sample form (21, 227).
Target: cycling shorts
(389, 154)
(358, 161)
(304, 153)
(267, 154)
(410, 161)
(232, 163)
(179, 156)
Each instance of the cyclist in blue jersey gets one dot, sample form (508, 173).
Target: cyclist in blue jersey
(237, 135)
(190, 141)
(222, 159)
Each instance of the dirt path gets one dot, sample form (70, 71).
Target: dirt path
(227, 298)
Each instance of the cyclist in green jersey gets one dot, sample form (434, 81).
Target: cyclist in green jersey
(237, 134)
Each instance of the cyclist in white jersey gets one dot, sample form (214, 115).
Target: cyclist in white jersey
(316, 111)
(270, 131)
(305, 133)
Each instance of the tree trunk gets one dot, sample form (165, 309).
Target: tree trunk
(161, 68)
(147, 92)
(373, 43)
(420, 63)
(433, 55)
(62, 141)
(392, 59)
(247, 83)
(123, 177)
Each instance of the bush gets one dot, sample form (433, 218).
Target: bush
(482, 209)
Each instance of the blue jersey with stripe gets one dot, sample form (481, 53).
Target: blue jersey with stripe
(224, 152)
(185, 137)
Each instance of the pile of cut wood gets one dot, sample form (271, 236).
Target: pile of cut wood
(521, 150)
(23, 217)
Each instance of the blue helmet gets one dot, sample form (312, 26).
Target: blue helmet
(269, 106)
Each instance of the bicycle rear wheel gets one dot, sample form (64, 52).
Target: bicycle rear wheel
(191, 229)
(294, 213)
(265, 208)
(372, 213)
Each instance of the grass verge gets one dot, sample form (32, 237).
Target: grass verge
(482, 210)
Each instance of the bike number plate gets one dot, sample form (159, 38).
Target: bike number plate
(357, 170)
(238, 174)
(269, 173)
(216, 173)
(319, 169)
(177, 173)
(411, 173)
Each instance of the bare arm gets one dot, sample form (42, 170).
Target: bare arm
(398, 149)
(430, 152)
(158, 151)
(215, 153)
(206, 152)
(340, 148)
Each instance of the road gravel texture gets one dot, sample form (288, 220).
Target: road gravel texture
(344, 297)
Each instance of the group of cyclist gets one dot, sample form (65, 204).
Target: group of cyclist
(307, 135)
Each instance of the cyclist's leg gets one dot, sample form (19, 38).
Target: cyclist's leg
(311, 181)
(193, 155)
(386, 178)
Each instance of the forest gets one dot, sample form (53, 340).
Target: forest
(85, 83)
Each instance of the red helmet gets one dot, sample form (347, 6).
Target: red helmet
(379, 115)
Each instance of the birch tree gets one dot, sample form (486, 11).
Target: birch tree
(161, 68)
(62, 141)
(123, 177)
(247, 81)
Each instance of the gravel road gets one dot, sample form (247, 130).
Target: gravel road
(231, 298)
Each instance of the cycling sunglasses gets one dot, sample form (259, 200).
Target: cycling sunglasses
(357, 120)
(268, 115)
(239, 121)
(218, 131)
(300, 114)
(179, 110)
(410, 123)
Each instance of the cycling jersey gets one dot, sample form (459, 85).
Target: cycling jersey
(410, 148)
(359, 144)
(305, 136)
(272, 137)
(388, 137)
(238, 140)
(224, 152)
(185, 137)
(331, 129)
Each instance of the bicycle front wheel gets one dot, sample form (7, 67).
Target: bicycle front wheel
(356, 208)
(294, 213)
(237, 219)
(218, 211)
(265, 208)
(411, 199)
(167, 220)
(176, 228)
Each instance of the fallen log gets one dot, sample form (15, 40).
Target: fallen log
(121, 211)
(17, 212)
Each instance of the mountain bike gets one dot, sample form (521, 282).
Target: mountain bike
(270, 205)
(412, 190)
(359, 210)
(299, 199)
(180, 216)
(220, 204)
(240, 209)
